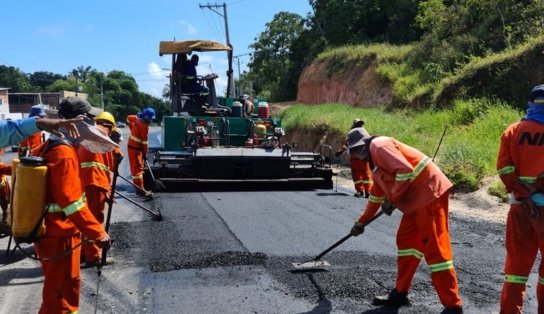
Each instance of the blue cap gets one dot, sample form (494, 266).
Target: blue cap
(537, 95)
(37, 111)
(149, 113)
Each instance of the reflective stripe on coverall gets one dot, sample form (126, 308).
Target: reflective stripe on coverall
(360, 173)
(412, 182)
(96, 180)
(67, 216)
(137, 148)
(521, 159)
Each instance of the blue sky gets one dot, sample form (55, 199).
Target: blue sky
(60, 35)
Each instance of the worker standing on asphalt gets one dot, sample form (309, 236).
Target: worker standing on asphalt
(137, 146)
(29, 143)
(520, 164)
(405, 178)
(360, 169)
(95, 173)
(67, 215)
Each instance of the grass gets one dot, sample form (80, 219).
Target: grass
(468, 152)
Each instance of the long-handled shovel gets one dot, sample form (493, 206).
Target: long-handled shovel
(316, 262)
(157, 184)
(107, 227)
(135, 186)
(157, 216)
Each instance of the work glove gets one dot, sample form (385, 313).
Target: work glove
(388, 208)
(357, 229)
(104, 242)
(338, 153)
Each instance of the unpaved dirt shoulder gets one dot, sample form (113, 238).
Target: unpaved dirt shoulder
(475, 205)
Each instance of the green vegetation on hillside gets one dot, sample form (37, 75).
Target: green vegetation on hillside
(469, 149)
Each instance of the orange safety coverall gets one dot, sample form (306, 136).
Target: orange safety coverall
(417, 187)
(67, 216)
(137, 148)
(30, 142)
(95, 173)
(360, 173)
(521, 160)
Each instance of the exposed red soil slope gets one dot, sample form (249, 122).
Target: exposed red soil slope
(359, 86)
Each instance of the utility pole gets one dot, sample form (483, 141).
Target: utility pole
(239, 89)
(230, 84)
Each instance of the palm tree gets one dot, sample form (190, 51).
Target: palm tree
(81, 73)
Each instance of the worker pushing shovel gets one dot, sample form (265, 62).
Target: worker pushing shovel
(406, 179)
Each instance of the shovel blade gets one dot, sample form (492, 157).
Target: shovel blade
(311, 264)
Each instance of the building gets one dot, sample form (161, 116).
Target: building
(17, 105)
(5, 112)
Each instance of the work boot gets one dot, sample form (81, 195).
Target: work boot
(367, 194)
(452, 310)
(358, 194)
(393, 299)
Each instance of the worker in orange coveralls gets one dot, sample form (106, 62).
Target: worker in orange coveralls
(29, 143)
(95, 172)
(360, 169)
(137, 146)
(5, 191)
(520, 164)
(67, 216)
(405, 178)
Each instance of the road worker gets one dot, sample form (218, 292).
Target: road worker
(95, 173)
(67, 215)
(360, 169)
(137, 146)
(29, 143)
(406, 179)
(520, 164)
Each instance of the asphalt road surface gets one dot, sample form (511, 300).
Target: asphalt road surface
(231, 252)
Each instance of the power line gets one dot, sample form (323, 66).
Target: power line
(215, 28)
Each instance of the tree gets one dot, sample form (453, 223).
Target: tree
(81, 73)
(15, 79)
(270, 64)
(43, 79)
(361, 21)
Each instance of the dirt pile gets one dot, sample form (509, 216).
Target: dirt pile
(359, 86)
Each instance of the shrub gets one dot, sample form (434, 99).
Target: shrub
(497, 188)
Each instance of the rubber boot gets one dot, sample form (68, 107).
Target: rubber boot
(452, 310)
(393, 299)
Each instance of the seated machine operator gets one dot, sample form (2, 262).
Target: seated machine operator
(191, 83)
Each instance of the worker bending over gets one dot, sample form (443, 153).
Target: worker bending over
(406, 179)
(520, 164)
(137, 146)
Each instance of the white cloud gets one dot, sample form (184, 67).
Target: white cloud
(53, 30)
(189, 28)
(155, 85)
(155, 71)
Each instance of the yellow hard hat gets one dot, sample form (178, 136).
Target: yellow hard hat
(106, 116)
